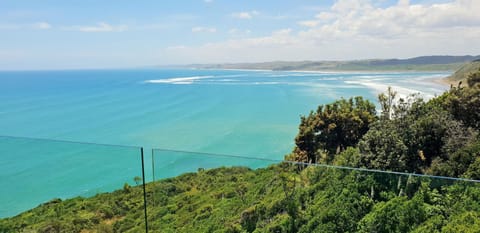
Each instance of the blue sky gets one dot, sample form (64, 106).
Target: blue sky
(121, 34)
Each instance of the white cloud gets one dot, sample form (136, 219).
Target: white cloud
(320, 18)
(282, 32)
(101, 27)
(355, 29)
(239, 32)
(309, 23)
(204, 29)
(324, 16)
(42, 25)
(208, 1)
(245, 14)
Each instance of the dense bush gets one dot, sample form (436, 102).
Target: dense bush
(438, 137)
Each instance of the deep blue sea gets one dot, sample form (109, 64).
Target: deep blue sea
(252, 113)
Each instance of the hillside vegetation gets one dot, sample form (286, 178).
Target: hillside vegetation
(281, 198)
(464, 71)
(438, 137)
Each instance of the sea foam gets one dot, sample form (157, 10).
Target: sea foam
(179, 80)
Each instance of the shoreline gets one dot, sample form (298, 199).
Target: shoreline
(333, 71)
(441, 81)
(444, 81)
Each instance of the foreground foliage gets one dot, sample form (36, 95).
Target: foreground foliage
(280, 198)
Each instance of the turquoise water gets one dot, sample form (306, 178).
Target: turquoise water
(252, 113)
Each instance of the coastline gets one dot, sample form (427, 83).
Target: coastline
(443, 81)
(329, 71)
(435, 81)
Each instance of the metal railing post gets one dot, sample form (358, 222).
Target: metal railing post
(144, 191)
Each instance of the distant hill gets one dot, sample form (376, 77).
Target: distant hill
(424, 63)
(462, 73)
(427, 60)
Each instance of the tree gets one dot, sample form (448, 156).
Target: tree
(396, 215)
(473, 79)
(332, 128)
(382, 147)
(467, 222)
(305, 141)
(473, 171)
(462, 162)
(416, 135)
(464, 105)
(387, 102)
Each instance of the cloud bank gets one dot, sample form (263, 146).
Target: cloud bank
(353, 29)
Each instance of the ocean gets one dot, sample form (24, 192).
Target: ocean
(237, 112)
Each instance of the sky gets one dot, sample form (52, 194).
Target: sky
(81, 34)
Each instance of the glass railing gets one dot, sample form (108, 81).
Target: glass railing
(57, 176)
(222, 193)
(59, 186)
(204, 182)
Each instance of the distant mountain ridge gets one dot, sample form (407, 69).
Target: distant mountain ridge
(427, 60)
(423, 63)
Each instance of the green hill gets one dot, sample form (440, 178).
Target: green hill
(424, 63)
(462, 73)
